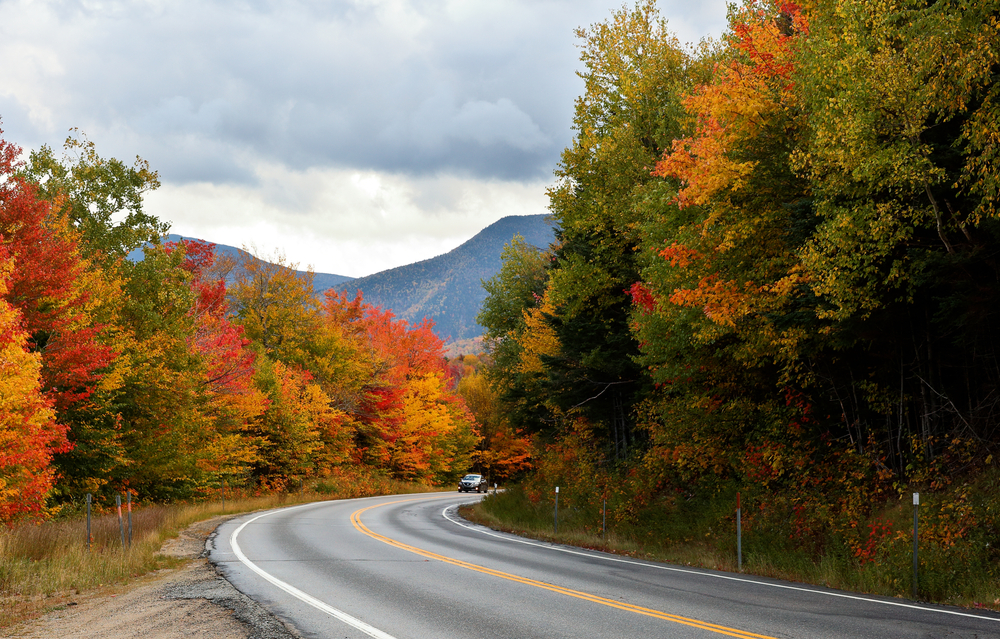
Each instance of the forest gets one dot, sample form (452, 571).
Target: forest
(176, 375)
(775, 275)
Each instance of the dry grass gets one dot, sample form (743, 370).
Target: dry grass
(44, 564)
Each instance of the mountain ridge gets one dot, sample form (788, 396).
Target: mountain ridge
(446, 288)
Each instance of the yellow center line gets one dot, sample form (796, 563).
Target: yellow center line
(704, 625)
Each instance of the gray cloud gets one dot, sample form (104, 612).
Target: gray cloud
(420, 87)
(355, 134)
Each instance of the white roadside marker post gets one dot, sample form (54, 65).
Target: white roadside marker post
(739, 536)
(555, 512)
(916, 505)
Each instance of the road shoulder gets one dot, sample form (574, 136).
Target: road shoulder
(193, 600)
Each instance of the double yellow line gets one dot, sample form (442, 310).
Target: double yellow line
(695, 623)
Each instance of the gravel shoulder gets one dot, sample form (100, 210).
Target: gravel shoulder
(190, 601)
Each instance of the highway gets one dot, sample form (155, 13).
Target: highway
(407, 567)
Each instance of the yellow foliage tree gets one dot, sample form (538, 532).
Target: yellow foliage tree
(27, 422)
(433, 433)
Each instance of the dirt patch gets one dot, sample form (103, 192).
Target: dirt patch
(190, 601)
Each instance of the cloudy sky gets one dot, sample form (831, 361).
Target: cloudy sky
(351, 135)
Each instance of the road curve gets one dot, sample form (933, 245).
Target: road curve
(406, 567)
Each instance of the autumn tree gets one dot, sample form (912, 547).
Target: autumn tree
(721, 306)
(56, 296)
(227, 365)
(511, 295)
(29, 434)
(406, 415)
(515, 288)
(159, 399)
(169, 418)
(633, 67)
(276, 306)
(814, 242)
(504, 452)
(100, 197)
(288, 432)
(167, 374)
(48, 286)
(434, 434)
(902, 112)
(809, 252)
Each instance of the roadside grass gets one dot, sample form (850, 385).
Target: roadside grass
(45, 565)
(958, 569)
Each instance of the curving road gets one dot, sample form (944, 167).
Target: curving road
(408, 567)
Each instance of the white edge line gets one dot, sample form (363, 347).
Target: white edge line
(371, 631)
(605, 557)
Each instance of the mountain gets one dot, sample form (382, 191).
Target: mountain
(321, 281)
(448, 288)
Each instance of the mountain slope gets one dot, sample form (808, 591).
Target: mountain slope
(321, 281)
(448, 288)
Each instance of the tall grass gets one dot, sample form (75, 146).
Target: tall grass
(44, 565)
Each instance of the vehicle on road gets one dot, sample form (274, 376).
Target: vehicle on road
(472, 482)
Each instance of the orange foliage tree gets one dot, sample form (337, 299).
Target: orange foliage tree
(504, 452)
(407, 416)
(53, 357)
(29, 434)
(46, 286)
(227, 366)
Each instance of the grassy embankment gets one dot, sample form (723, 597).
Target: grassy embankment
(45, 565)
(959, 570)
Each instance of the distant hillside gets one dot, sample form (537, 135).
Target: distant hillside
(321, 281)
(448, 288)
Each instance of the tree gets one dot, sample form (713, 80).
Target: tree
(172, 419)
(229, 364)
(510, 295)
(55, 296)
(901, 103)
(101, 198)
(29, 434)
(289, 433)
(516, 288)
(816, 255)
(624, 120)
(276, 307)
(433, 436)
(405, 415)
(69, 285)
(503, 452)
(48, 287)
(229, 398)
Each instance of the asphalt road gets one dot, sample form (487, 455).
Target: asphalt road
(408, 567)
